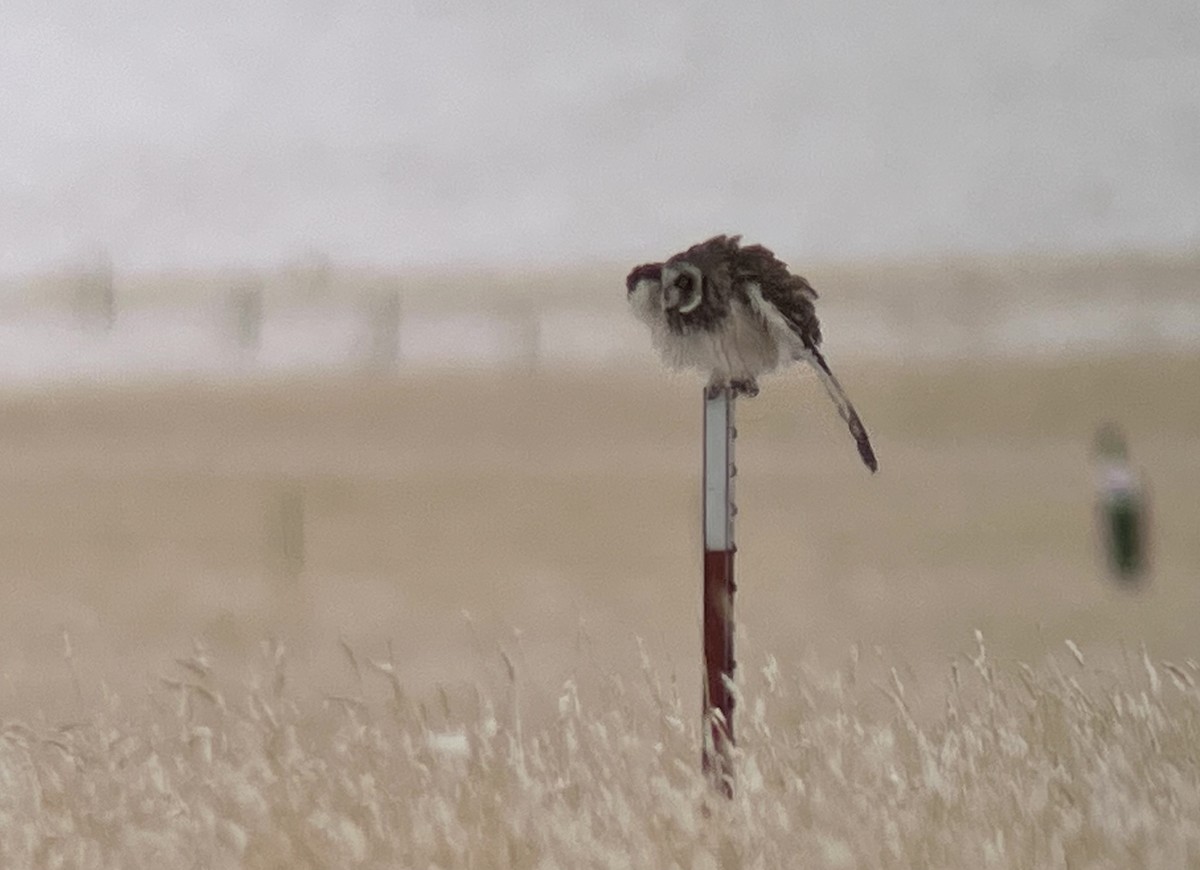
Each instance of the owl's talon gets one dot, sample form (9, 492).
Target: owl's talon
(747, 388)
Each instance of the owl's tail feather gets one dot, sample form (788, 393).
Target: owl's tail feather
(813, 357)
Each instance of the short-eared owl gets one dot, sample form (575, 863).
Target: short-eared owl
(735, 312)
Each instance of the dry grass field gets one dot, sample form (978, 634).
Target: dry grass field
(488, 657)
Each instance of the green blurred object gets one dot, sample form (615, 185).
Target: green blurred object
(1123, 514)
(1125, 547)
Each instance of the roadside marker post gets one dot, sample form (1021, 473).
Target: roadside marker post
(719, 511)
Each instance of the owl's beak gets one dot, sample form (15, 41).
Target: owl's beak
(670, 297)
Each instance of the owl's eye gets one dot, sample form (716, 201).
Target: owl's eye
(684, 283)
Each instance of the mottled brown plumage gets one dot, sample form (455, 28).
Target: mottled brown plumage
(736, 312)
(732, 268)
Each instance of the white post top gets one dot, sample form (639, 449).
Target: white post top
(718, 471)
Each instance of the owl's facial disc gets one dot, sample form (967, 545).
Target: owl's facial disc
(683, 287)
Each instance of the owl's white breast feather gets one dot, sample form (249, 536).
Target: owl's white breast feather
(740, 348)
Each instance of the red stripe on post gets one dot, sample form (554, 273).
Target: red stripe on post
(718, 668)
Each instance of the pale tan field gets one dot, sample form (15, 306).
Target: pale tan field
(544, 523)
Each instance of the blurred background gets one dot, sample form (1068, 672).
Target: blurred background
(312, 325)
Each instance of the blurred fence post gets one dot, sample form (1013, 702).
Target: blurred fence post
(311, 276)
(95, 298)
(285, 530)
(525, 313)
(244, 309)
(383, 313)
(719, 510)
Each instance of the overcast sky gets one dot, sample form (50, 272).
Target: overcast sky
(203, 134)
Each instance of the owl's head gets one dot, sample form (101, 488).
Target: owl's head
(699, 276)
(682, 285)
(689, 291)
(676, 286)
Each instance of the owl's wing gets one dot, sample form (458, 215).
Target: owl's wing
(785, 304)
(791, 296)
(845, 407)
